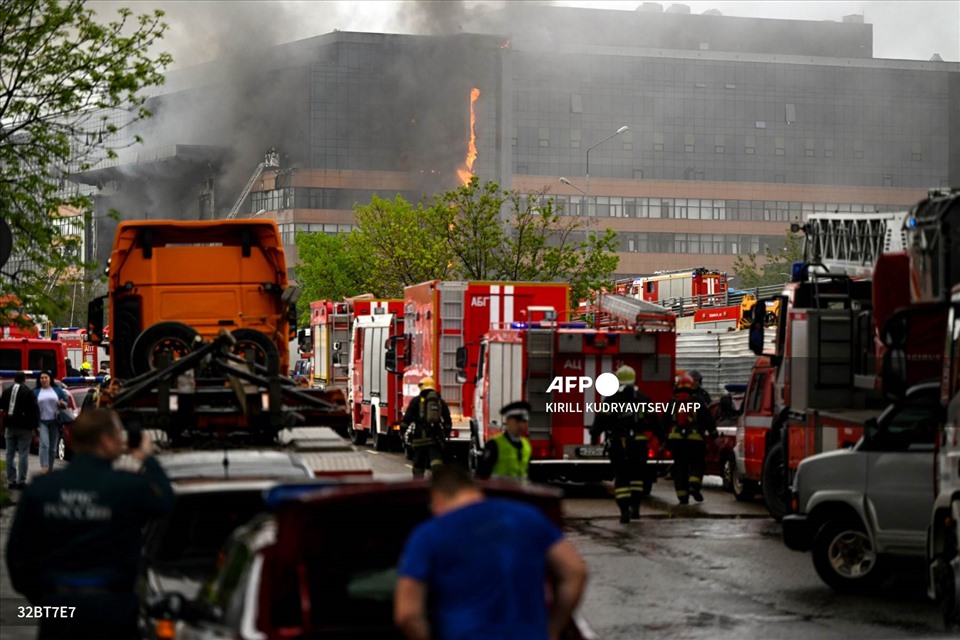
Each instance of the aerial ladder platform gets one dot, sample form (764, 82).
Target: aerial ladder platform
(850, 243)
(270, 161)
(615, 310)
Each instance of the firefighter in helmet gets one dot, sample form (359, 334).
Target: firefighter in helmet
(690, 422)
(427, 425)
(626, 439)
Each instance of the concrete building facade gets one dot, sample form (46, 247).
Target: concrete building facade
(736, 127)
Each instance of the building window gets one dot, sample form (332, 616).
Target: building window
(917, 152)
(658, 146)
(718, 149)
(791, 113)
(750, 145)
(761, 124)
(780, 146)
(688, 143)
(888, 181)
(628, 146)
(576, 103)
(809, 148)
(858, 148)
(731, 86)
(544, 136)
(698, 175)
(658, 141)
(638, 174)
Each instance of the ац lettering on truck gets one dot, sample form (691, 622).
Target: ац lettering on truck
(178, 288)
(444, 323)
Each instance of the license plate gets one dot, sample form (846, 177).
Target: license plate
(590, 452)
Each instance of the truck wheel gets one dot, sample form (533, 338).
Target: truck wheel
(358, 436)
(728, 471)
(743, 490)
(774, 483)
(174, 338)
(265, 352)
(845, 558)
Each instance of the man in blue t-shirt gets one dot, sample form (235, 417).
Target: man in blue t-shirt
(481, 565)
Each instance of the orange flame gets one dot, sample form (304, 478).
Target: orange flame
(466, 172)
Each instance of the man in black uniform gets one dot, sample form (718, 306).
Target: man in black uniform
(689, 425)
(700, 394)
(627, 435)
(75, 541)
(427, 425)
(72, 372)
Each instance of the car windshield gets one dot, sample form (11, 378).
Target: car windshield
(188, 540)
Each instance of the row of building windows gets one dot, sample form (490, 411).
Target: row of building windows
(698, 243)
(316, 198)
(701, 209)
(289, 231)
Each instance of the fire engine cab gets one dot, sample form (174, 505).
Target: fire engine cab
(375, 398)
(553, 366)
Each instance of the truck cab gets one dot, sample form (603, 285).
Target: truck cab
(855, 509)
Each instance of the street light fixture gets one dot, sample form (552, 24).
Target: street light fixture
(612, 135)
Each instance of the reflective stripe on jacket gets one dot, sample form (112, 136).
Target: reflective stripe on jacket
(511, 463)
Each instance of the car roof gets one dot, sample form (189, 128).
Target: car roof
(241, 464)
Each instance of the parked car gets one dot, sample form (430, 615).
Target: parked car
(213, 499)
(721, 459)
(857, 509)
(322, 564)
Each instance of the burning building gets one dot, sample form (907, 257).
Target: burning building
(736, 126)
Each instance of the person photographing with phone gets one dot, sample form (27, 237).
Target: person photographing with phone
(76, 535)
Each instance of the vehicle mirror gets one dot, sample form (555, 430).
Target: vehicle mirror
(303, 340)
(870, 429)
(95, 321)
(290, 295)
(896, 330)
(390, 361)
(756, 333)
(169, 605)
(292, 320)
(893, 374)
(462, 358)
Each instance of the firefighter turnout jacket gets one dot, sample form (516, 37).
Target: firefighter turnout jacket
(427, 419)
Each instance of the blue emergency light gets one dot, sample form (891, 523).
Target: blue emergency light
(799, 272)
(911, 222)
(277, 496)
(518, 325)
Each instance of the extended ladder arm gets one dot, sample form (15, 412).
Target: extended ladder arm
(850, 243)
(270, 161)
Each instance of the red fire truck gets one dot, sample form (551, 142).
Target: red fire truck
(825, 362)
(375, 397)
(331, 329)
(444, 323)
(681, 291)
(525, 361)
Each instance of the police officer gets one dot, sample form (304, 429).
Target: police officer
(75, 540)
(688, 427)
(701, 395)
(427, 426)
(507, 455)
(627, 435)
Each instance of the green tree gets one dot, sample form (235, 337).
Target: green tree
(63, 74)
(472, 233)
(329, 269)
(776, 268)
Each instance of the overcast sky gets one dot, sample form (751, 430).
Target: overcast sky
(202, 30)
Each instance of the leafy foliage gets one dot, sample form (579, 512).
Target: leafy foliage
(462, 235)
(62, 76)
(775, 269)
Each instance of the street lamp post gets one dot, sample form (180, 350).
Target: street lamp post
(612, 135)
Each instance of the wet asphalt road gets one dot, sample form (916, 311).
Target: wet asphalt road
(713, 571)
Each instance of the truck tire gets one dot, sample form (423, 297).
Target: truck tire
(174, 338)
(845, 558)
(265, 352)
(774, 483)
(743, 490)
(381, 441)
(358, 436)
(728, 471)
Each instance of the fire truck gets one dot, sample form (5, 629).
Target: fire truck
(444, 323)
(933, 230)
(681, 291)
(375, 398)
(523, 361)
(820, 381)
(201, 316)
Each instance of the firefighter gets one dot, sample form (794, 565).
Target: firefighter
(427, 425)
(700, 394)
(688, 427)
(507, 455)
(626, 440)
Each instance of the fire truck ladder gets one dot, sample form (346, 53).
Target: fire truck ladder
(618, 310)
(451, 338)
(341, 332)
(849, 243)
(270, 161)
